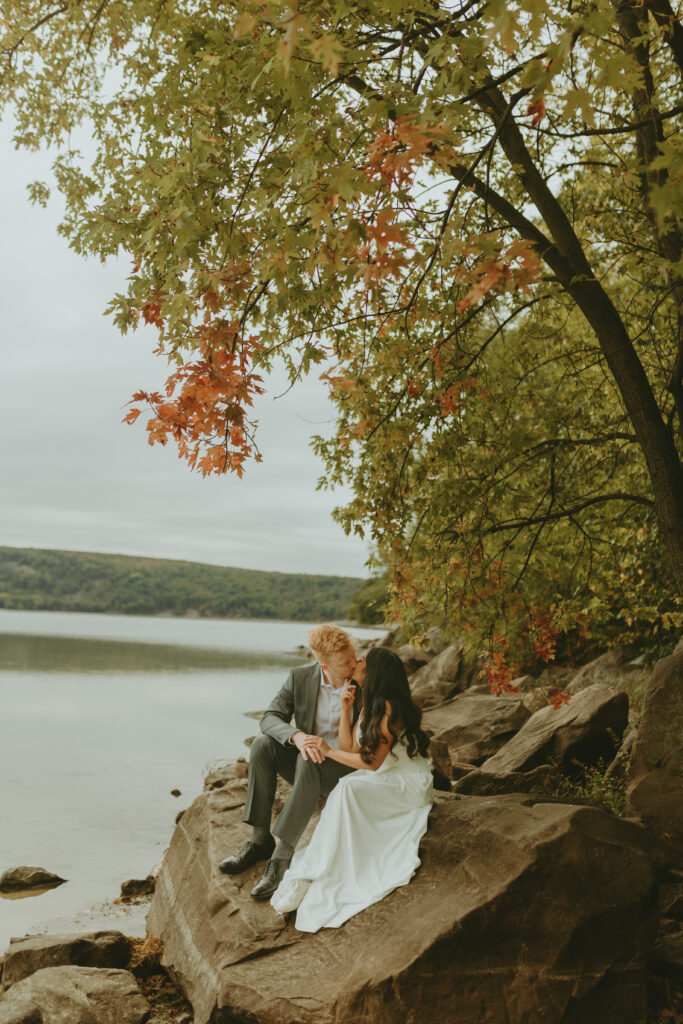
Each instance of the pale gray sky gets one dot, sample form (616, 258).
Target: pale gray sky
(73, 476)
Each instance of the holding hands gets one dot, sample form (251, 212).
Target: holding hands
(317, 745)
(307, 746)
(313, 748)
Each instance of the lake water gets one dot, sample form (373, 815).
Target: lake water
(101, 716)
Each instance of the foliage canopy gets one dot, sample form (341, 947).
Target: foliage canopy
(466, 215)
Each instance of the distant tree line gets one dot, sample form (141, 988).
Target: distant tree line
(34, 578)
(368, 607)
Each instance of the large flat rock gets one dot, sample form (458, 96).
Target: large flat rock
(655, 781)
(586, 729)
(522, 911)
(75, 995)
(84, 949)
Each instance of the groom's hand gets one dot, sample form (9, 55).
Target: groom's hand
(302, 741)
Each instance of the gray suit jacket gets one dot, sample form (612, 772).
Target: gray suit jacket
(299, 698)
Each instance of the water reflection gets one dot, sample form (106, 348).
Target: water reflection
(22, 894)
(30, 653)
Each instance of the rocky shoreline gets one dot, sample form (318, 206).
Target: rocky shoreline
(538, 899)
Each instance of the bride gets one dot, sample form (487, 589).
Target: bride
(366, 841)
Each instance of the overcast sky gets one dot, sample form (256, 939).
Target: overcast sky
(74, 477)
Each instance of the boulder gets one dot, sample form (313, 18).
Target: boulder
(445, 768)
(134, 888)
(435, 641)
(15, 879)
(474, 726)
(87, 949)
(413, 658)
(613, 668)
(543, 779)
(438, 752)
(223, 772)
(363, 646)
(448, 673)
(537, 690)
(522, 910)
(75, 995)
(217, 777)
(582, 731)
(480, 688)
(524, 683)
(655, 780)
(557, 676)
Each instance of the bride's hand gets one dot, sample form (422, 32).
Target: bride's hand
(348, 694)
(320, 744)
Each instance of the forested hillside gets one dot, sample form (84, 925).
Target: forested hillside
(90, 582)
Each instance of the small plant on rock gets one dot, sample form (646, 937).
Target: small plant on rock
(593, 784)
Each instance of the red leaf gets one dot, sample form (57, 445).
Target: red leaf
(537, 108)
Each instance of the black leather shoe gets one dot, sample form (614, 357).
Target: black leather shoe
(251, 853)
(272, 877)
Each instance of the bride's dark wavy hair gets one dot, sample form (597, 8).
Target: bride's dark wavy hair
(386, 680)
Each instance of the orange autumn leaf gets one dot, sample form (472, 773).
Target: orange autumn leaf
(206, 400)
(395, 154)
(515, 268)
(151, 310)
(536, 111)
(455, 395)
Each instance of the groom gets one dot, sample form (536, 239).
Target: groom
(312, 694)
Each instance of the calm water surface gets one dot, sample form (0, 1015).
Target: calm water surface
(101, 716)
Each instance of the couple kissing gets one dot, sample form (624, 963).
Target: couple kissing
(345, 729)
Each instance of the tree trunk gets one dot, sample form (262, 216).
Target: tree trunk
(568, 261)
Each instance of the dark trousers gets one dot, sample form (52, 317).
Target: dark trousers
(268, 759)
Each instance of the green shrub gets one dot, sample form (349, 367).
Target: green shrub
(591, 783)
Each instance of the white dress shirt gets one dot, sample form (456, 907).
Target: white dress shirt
(328, 711)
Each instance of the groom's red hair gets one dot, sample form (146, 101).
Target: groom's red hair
(328, 639)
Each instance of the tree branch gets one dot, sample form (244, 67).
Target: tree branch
(569, 442)
(621, 130)
(513, 524)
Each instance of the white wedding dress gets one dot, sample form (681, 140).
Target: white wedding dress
(364, 845)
